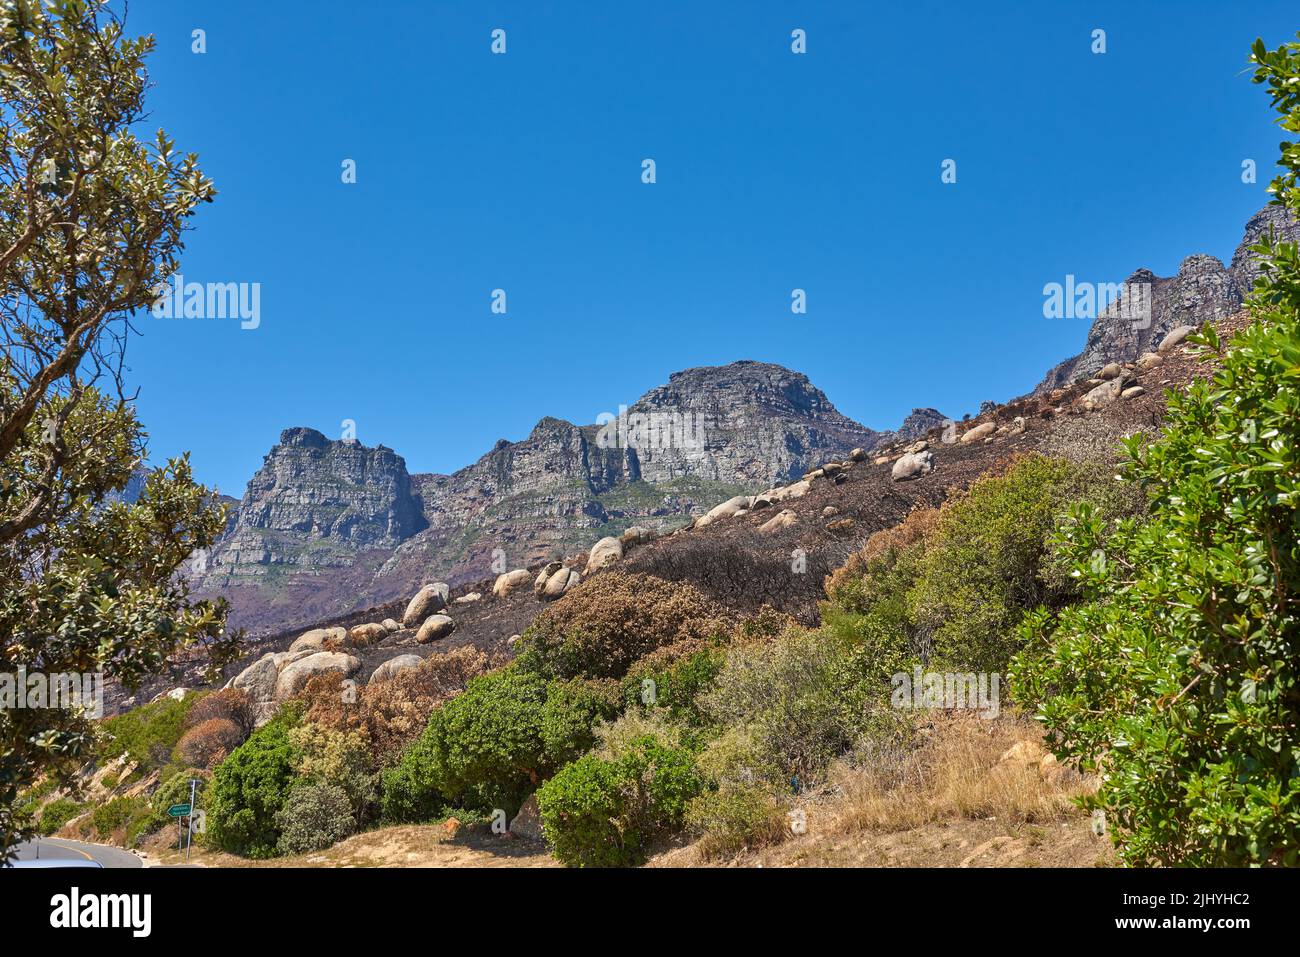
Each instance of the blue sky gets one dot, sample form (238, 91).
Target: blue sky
(775, 171)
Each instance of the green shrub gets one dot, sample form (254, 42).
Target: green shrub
(799, 702)
(342, 758)
(58, 813)
(1180, 678)
(316, 815)
(250, 787)
(990, 560)
(490, 746)
(485, 746)
(570, 713)
(671, 679)
(123, 817)
(149, 734)
(605, 811)
(948, 587)
(583, 809)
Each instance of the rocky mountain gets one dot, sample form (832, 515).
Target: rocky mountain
(919, 422)
(1149, 306)
(326, 526)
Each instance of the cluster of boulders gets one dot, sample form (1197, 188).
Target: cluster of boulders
(1117, 381)
(742, 505)
(426, 612)
(554, 580)
(557, 579)
(279, 675)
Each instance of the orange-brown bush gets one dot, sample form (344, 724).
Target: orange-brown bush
(393, 713)
(205, 744)
(229, 703)
(611, 619)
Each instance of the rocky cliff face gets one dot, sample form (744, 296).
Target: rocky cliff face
(315, 504)
(1150, 306)
(748, 422)
(327, 526)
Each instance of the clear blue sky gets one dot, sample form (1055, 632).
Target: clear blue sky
(775, 171)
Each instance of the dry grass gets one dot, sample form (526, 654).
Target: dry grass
(966, 767)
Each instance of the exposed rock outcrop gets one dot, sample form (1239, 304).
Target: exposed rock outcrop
(1204, 290)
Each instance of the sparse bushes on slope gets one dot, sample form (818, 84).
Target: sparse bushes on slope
(949, 586)
(745, 569)
(612, 619)
(148, 734)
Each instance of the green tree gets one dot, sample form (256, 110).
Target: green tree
(1178, 681)
(91, 221)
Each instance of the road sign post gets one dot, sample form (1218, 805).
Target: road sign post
(179, 811)
(189, 840)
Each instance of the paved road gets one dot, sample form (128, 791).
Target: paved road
(61, 848)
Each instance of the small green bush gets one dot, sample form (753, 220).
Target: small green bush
(735, 818)
(316, 815)
(250, 787)
(58, 813)
(672, 679)
(123, 817)
(570, 713)
(604, 811)
(799, 702)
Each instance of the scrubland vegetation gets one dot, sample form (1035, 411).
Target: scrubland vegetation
(1143, 614)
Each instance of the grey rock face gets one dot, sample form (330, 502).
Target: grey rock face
(310, 489)
(1202, 291)
(1271, 220)
(919, 422)
(751, 422)
(339, 526)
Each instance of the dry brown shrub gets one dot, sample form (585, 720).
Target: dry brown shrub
(229, 703)
(964, 767)
(610, 620)
(393, 713)
(205, 744)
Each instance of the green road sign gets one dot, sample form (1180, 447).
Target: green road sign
(179, 810)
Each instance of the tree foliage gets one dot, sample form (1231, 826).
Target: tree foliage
(91, 221)
(1178, 680)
